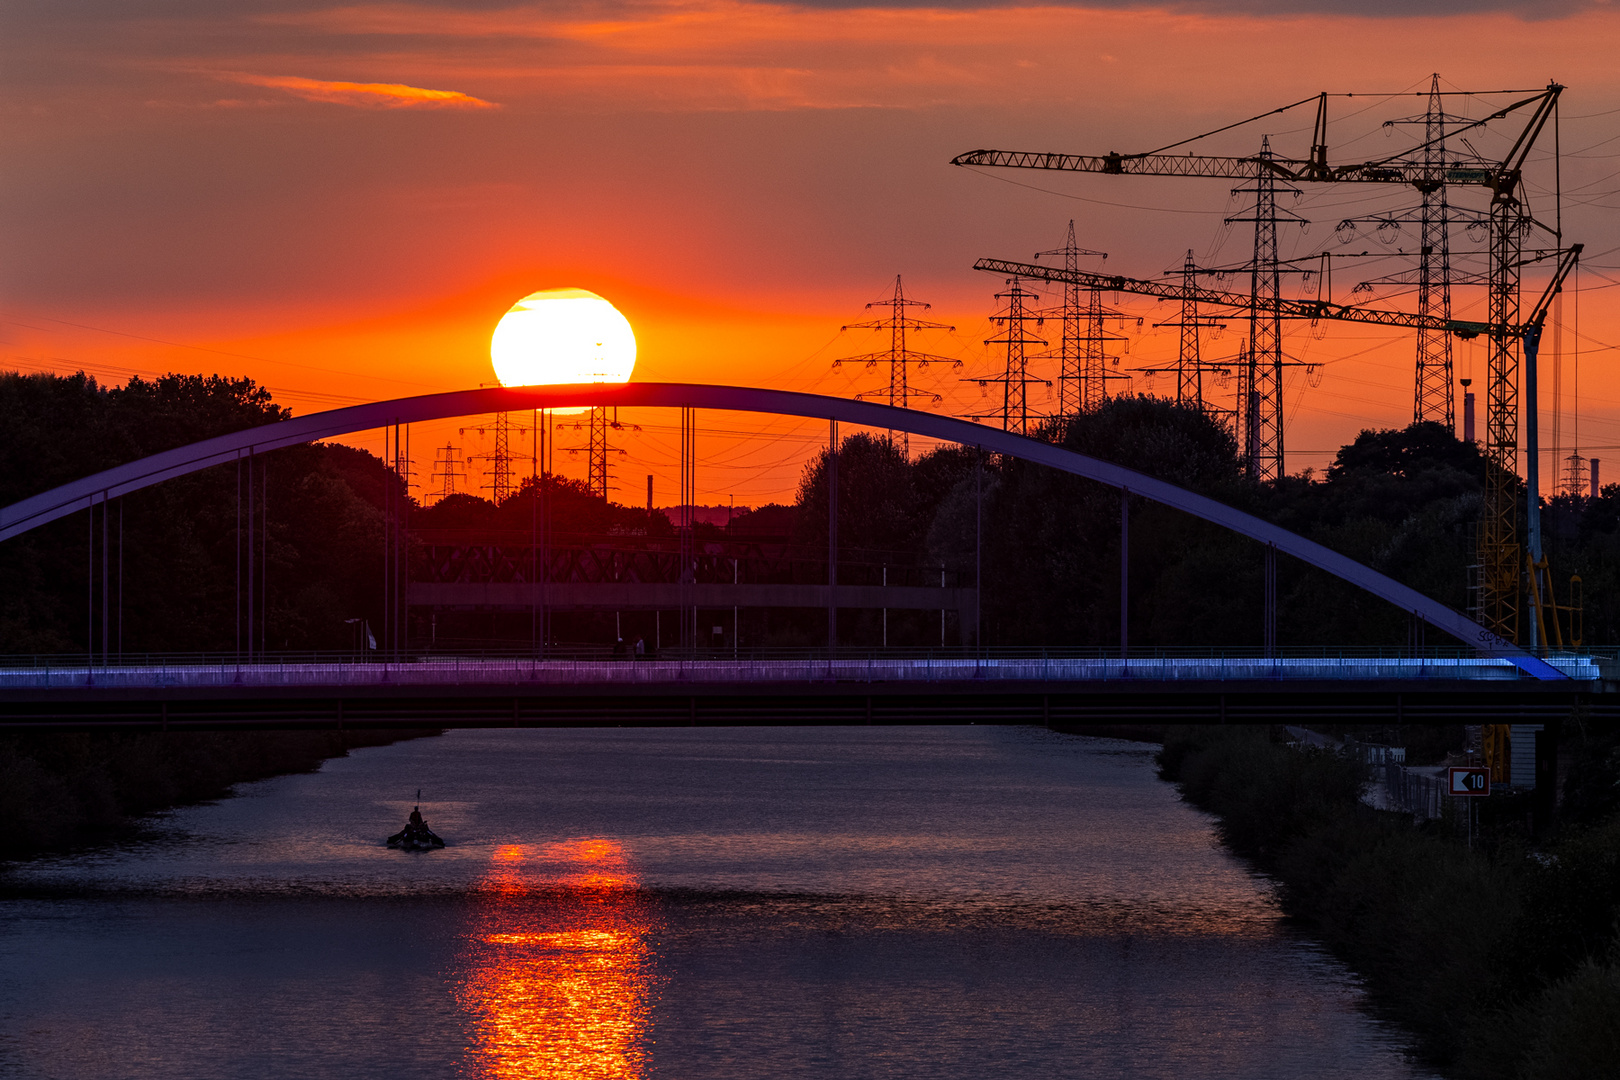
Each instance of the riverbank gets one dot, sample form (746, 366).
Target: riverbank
(1503, 960)
(1148, 733)
(60, 790)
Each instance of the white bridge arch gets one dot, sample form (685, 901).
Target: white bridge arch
(33, 512)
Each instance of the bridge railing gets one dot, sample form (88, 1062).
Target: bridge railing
(780, 666)
(602, 652)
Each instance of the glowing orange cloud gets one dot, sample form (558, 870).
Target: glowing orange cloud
(367, 95)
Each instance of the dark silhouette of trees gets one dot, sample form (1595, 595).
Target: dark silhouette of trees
(179, 538)
(1401, 501)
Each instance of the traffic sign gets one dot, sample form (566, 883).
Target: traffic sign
(1468, 780)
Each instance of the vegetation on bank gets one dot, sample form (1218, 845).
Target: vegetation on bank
(1503, 958)
(59, 790)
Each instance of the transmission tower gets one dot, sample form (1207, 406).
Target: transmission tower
(1434, 397)
(501, 460)
(1260, 397)
(1015, 377)
(1083, 353)
(1575, 480)
(598, 422)
(448, 470)
(598, 473)
(1190, 362)
(899, 355)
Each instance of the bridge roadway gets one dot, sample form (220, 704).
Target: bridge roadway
(851, 688)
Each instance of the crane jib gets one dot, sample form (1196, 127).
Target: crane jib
(1416, 174)
(1292, 309)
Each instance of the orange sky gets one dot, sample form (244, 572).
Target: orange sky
(340, 199)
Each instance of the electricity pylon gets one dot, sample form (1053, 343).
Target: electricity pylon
(500, 459)
(1434, 394)
(501, 477)
(1189, 361)
(1260, 401)
(598, 422)
(1434, 397)
(448, 470)
(899, 356)
(1083, 348)
(1015, 377)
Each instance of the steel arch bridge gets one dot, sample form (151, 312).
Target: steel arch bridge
(30, 513)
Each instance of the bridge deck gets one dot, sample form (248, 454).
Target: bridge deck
(483, 671)
(1058, 691)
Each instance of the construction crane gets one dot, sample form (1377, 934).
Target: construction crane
(1501, 178)
(1527, 334)
(1540, 576)
(1497, 578)
(1318, 308)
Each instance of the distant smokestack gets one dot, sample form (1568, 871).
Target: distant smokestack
(1468, 412)
(1595, 487)
(649, 496)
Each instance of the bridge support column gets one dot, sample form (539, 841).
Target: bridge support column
(1124, 573)
(1271, 601)
(688, 570)
(978, 549)
(832, 537)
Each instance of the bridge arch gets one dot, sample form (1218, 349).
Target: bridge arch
(81, 494)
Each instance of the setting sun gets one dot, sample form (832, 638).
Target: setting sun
(563, 336)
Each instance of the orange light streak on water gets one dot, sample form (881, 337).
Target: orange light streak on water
(559, 982)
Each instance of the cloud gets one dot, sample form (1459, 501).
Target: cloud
(366, 95)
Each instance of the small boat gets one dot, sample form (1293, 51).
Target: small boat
(416, 836)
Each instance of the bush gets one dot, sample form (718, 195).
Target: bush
(1501, 961)
(59, 789)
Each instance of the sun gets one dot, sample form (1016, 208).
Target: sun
(563, 336)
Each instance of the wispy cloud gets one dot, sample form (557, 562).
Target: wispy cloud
(366, 95)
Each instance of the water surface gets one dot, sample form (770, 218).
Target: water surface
(763, 902)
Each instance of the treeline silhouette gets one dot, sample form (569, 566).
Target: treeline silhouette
(63, 789)
(1402, 501)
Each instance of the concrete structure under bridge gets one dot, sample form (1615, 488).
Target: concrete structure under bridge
(462, 574)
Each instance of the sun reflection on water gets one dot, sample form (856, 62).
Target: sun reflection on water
(559, 980)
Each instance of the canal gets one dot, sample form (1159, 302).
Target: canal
(710, 903)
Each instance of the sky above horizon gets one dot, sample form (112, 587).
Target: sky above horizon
(341, 199)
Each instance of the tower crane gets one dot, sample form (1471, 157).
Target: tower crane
(1283, 307)
(1540, 577)
(1526, 333)
(1497, 583)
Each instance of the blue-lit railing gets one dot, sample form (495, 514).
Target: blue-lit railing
(760, 667)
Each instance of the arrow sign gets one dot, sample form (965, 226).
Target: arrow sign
(1468, 780)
